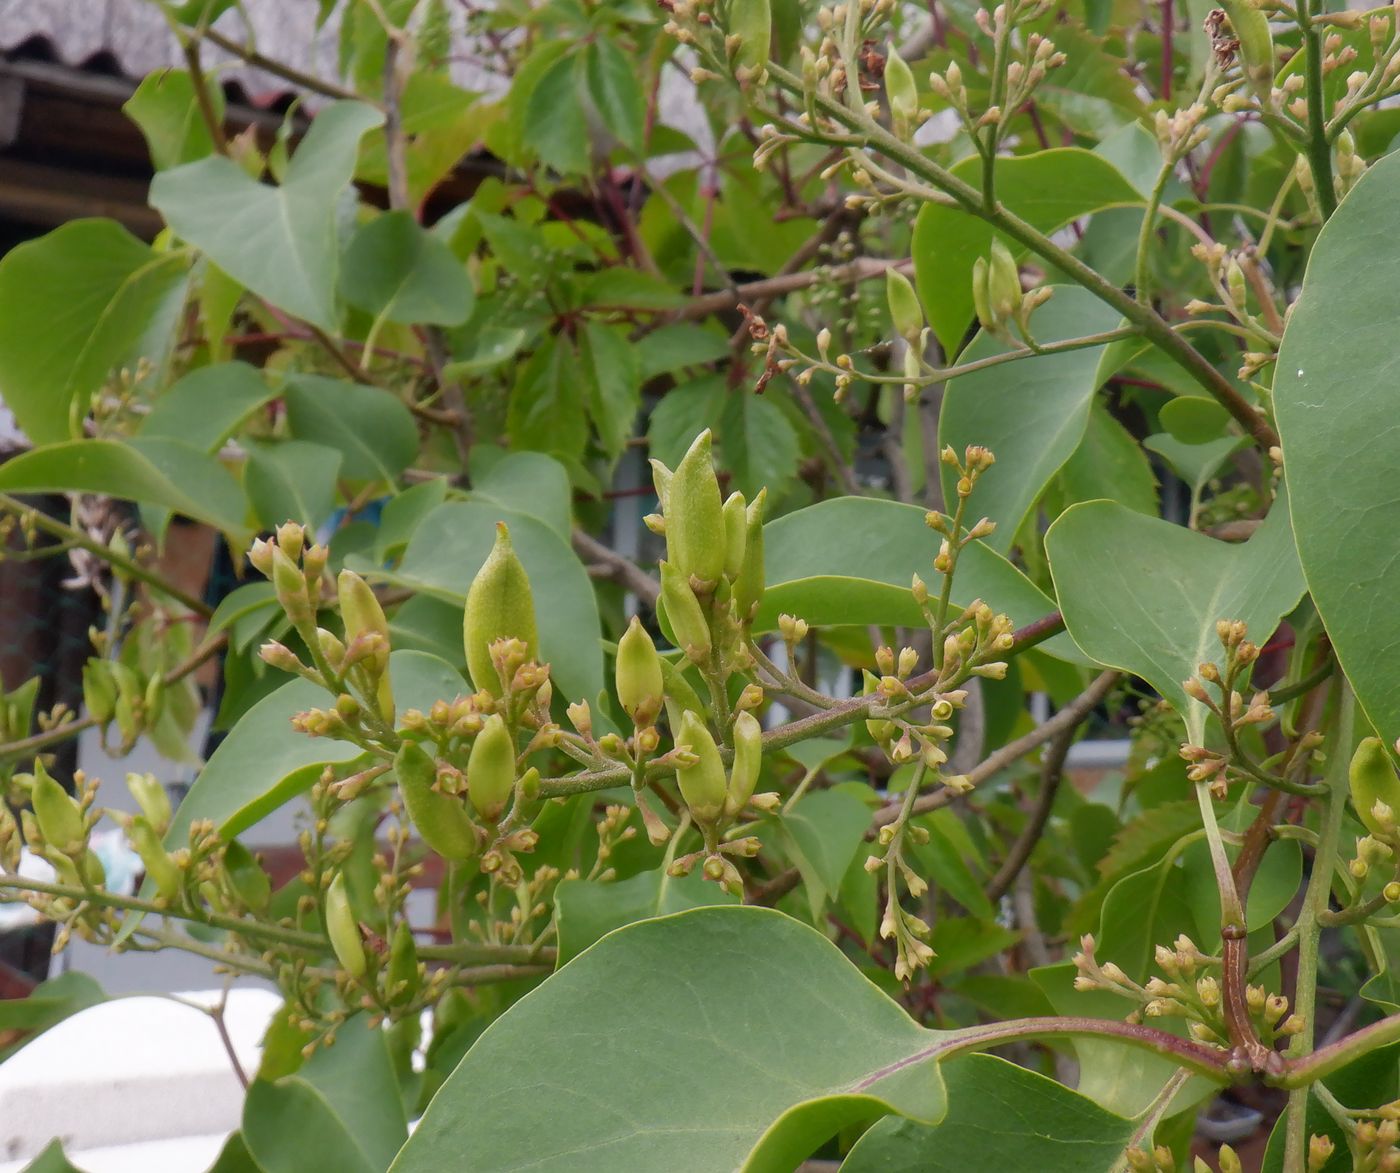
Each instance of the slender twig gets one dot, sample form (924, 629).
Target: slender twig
(1154, 327)
(1052, 771)
(621, 570)
(297, 77)
(73, 536)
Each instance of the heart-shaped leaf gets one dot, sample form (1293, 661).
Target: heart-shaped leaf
(75, 305)
(280, 242)
(1143, 595)
(714, 1039)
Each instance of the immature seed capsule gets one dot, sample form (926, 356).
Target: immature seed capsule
(343, 931)
(902, 90)
(1003, 283)
(245, 877)
(153, 799)
(402, 979)
(58, 814)
(363, 615)
(290, 585)
(748, 758)
(161, 870)
(683, 611)
(441, 820)
(748, 585)
(1373, 781)
(703, 785)
(981, 300)
(499, 606)
(99, 692)
(736, 530)
(905, 311)
(695, 541)
(491, 768)
(640, 686)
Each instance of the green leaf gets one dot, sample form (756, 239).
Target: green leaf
(1194, 419)
(616, 92)
(165, 108)
(1143, 595)
(372, 429)
(851, 560)
(554, 127)
(280, 242)
(613, 382)
(48, 1004)
(234, 1157)
(588, 910)
(139, 470)
(77, 304)
(631, 289)
(528, 482)
(822, 834)
(402, 514)
(451, 543)
(205, 407)
(397, 272)
(1109, 465)
(681, 344)
(291, 481)
(1333, 391)
(51, 1160)
(1000, 1116)
(1147, 908)
(341, 1111)
(546, 410)
(683, 414)
(1195, 464)
(264, 762)
(757, 443)
(1032, 414)
(784, 1044)
(1048, 190)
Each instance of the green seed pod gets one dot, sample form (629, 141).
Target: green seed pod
(1003, 283)
(748, 758)
(981, 302)
(290, 585)
(161, 869)
(680, 697)
(402, 979)
(752, 22)
(491, 768)
(363, 615)
(900, 87)
(11, 841)
(905, 311)
(640, 687)
(695, 542)
(1373, 781)
(245, 877)
(499, 606)
(99, 691)
(881, 732)
(153, 799)
(748, 585)
(703, 785)
(59, 816)
(343, 930)
(683, 611)
(442, 821)
(736, 532)
(1256, 50)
